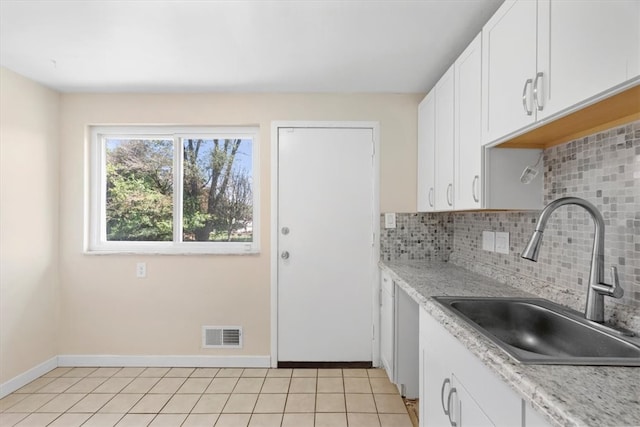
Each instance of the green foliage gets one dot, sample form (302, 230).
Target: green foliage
(136, 210)
(139, 190)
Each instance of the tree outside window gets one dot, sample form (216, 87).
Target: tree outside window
(174, 190)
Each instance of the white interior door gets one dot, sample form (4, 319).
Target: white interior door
(325, 244)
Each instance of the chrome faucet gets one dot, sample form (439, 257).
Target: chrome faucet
(597, 289)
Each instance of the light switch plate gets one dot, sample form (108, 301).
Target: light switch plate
(502, 242)
(390, 220)
(488, 241)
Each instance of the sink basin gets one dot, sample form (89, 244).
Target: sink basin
(537, 331)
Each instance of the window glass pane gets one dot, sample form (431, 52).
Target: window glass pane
(139, 198)
(217, 192)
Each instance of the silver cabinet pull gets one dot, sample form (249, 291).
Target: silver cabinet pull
(285, 230)
(476, 179)
(431, 197)
(449, 400)
(525, 104)
(285, 255)
(536, 90)
(444, 384)
(449, 194)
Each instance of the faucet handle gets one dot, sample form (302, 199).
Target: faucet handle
(616, 290)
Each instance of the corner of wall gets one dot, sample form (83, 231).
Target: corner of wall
(29, 225)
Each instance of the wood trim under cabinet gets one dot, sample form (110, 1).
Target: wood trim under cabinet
(617, 110)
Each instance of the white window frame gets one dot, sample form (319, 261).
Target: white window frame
(95, 231)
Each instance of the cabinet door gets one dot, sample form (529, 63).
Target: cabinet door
(386, 325)
(406, 346)
(444, 357)
(426, 153)
(468, 127)
(534, 419)
(445, 100)
(465, 412)
(508, 66)
(585, 48)
(435, 378)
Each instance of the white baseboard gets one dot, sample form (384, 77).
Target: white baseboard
(166, 361)
(25, 378)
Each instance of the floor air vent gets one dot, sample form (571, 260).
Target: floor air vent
(221, 337)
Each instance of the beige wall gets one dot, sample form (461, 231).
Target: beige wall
(106, 310)
(29, 120)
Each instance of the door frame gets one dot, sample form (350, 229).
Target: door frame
(375, 286)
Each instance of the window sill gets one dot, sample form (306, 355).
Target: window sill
(179, 252)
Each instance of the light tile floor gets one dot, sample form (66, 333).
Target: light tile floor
(190, 397)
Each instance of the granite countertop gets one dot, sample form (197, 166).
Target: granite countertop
(564, 395)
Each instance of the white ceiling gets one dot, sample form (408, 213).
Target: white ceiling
(237, 46)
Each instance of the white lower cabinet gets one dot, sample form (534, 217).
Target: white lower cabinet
(406, 331)
(399, 336)
(456, 389)
(532, 418)
(463, 409)
(387, 324)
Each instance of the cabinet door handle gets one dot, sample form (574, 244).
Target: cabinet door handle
(536, 90)
(449, 195)
(476, 179)
(525, 104)
(444, 384)
(449, 400)
(431, 197)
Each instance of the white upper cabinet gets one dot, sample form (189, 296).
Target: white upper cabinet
(546, 58)
(455, 172)
(426, 153)
(468, 141)
(585, 48)
(436, 146)
(509, 41)
(444, 122)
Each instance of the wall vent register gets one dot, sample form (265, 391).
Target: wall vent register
(221, 337)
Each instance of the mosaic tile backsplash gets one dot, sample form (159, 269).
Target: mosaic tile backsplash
(603, 168)
(418, 236)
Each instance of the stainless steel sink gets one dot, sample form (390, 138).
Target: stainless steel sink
(537, 331)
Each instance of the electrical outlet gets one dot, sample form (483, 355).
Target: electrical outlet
(488, 241)
(502, 242)
(141, 270)
(390, 220)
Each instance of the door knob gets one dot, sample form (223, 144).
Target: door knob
(285, 255)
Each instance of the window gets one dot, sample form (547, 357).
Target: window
(174, 190)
